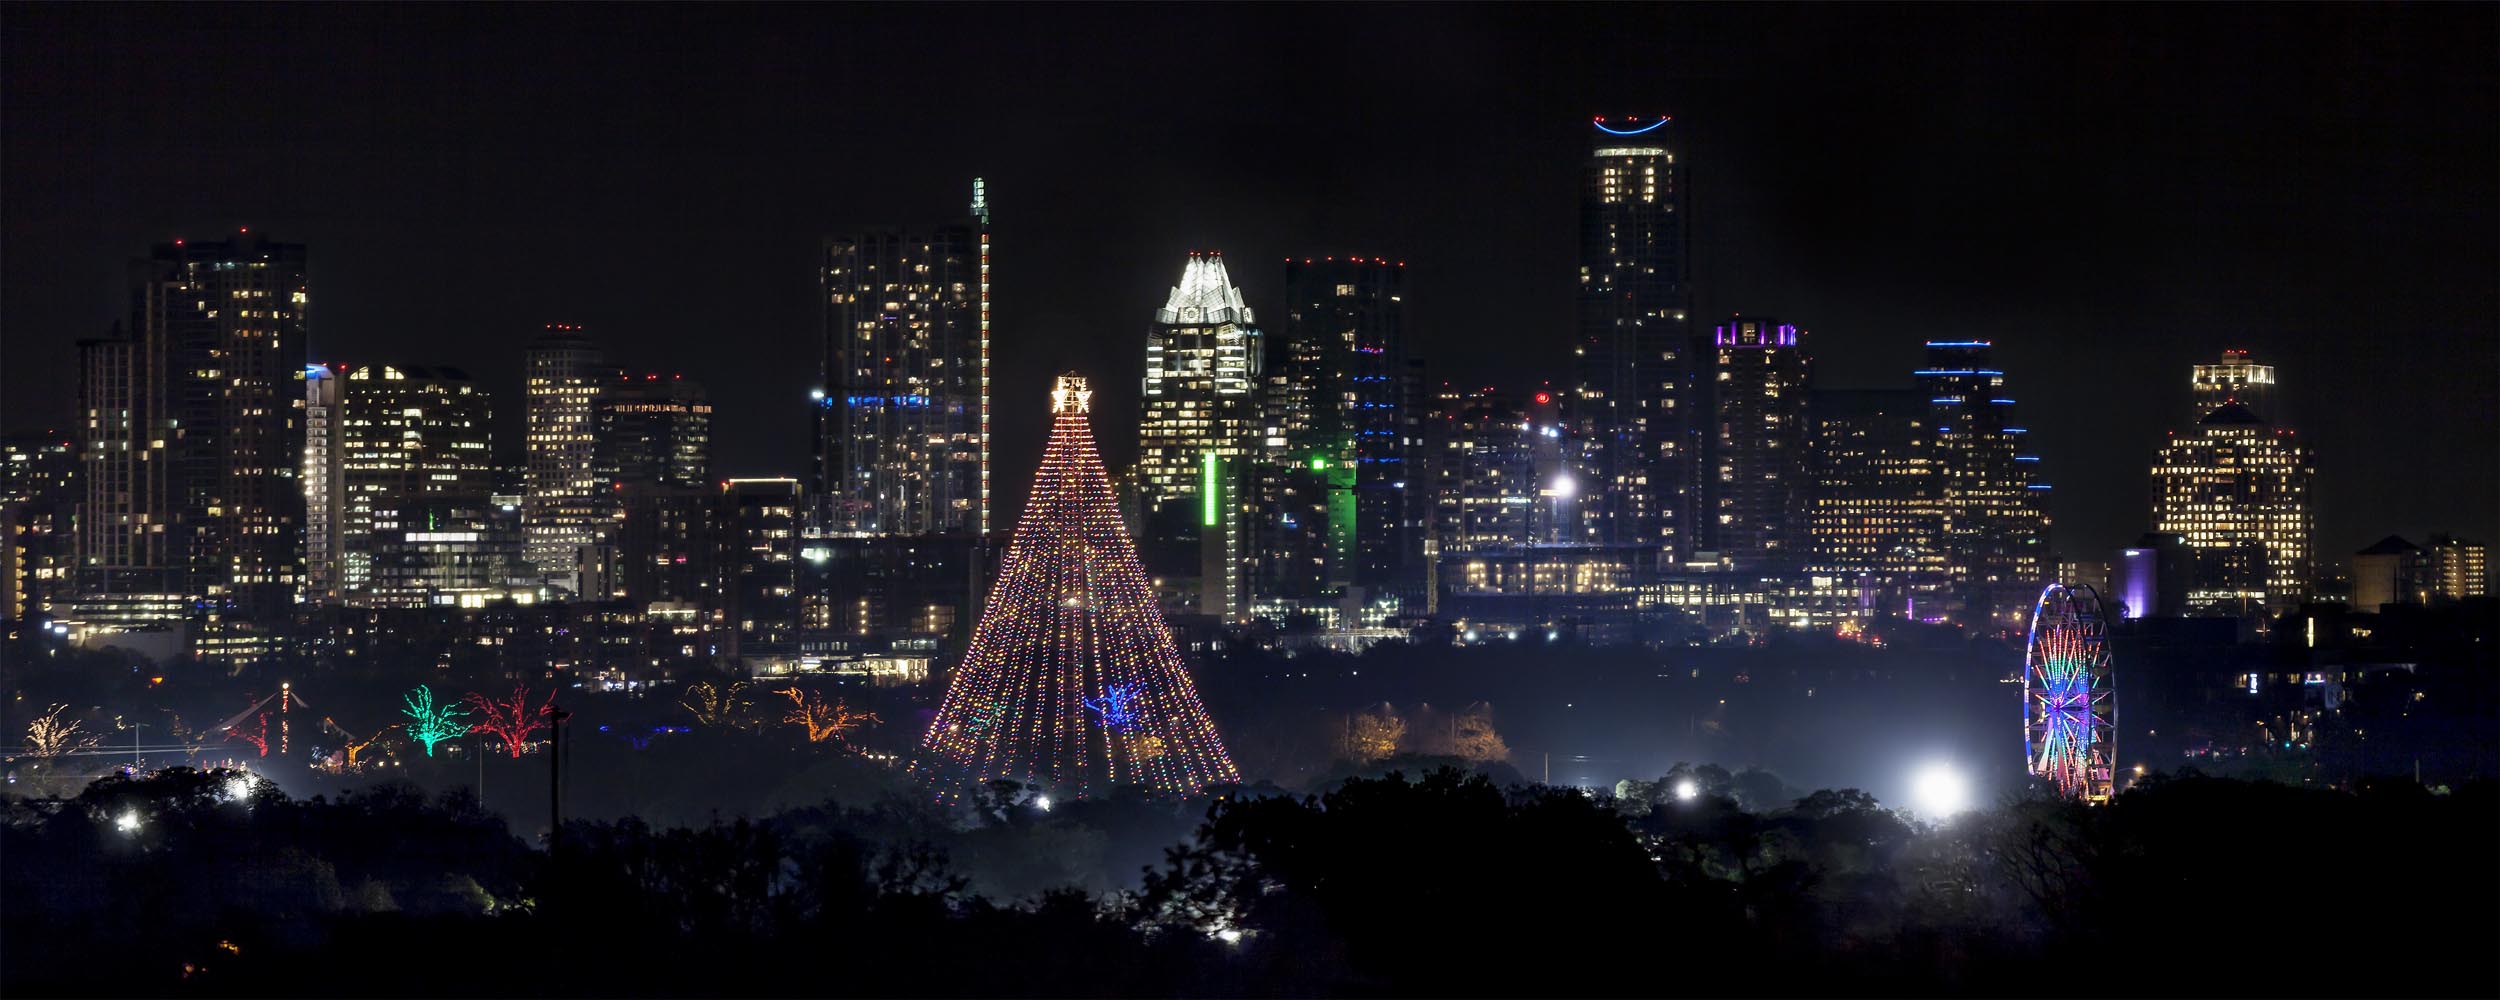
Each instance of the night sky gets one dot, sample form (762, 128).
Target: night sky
(2111, 194)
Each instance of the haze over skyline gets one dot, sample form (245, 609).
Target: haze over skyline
(2110, 204)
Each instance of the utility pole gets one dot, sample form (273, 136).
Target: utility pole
(555, 773)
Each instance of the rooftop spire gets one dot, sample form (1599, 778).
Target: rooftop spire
(1205, 296)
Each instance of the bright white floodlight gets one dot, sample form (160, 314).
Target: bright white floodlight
(1939, 790)
(1687, 790)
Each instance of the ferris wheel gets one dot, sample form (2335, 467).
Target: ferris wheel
(2070, 704)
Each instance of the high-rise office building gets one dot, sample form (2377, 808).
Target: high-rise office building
(193, 434)
(1994, 504)
(1874, 512)
(2235, 378)
(1634, 405)
(1202, 428)
(414, 454)
(1204, 363)
(561, 514)
(2238, 489)
(903, 428)
(1345, 397)
(1759, 432)
(654, 430)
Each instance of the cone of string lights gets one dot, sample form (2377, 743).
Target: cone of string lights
(1072, 682)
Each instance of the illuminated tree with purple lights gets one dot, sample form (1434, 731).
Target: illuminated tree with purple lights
(1072, 681)
(2070, 708)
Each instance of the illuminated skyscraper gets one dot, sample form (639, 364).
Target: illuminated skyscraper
(654, 430)
(1758, 482)
(1344, 421)
(562, 513)
(1202, 425)
(193, 431)
(1874, 513)
(2459, 570)
(1994, 505)
(125, 539)
(1487, 489)
(903, 423)
(325, 499)
(414, 445)
(1636, 368)
(2237, 488)
(39, 497)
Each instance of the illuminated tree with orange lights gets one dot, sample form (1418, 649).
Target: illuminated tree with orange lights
(824, 721)
(52, 736)
(1072, 681)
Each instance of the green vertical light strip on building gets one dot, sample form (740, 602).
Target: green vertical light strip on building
(1206, 492)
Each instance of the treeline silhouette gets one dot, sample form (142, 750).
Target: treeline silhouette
(186, 882)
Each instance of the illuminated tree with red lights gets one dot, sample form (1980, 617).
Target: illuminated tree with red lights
(512, 720)
(1072, 681)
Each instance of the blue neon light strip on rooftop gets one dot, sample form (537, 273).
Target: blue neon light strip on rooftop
(1960, 343)
(1602, 127)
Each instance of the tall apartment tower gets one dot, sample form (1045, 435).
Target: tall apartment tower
(126, 541)
(561, 510)
(1994, 505)
(1636, 365)
(1344, 395)
(325, 495)
(903, 425)
(1202, 427)
(195, 430)
(1759, 433)
(2238, 488)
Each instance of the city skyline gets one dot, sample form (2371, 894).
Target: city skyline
(1088, 239)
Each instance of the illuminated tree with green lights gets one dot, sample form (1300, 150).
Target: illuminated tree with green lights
(430, 723)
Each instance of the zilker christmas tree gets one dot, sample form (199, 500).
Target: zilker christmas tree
(1072, 682)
